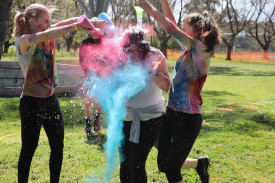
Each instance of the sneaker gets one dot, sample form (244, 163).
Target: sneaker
(202, 168)
(88, 129)
(96, 123)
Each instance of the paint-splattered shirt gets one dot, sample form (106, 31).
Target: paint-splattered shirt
(37, 69)
(189, 75)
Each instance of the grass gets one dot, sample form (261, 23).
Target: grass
(62, 56)
(240, 144)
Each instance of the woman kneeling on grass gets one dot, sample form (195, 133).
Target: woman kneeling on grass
(199, 36)
(38, 102)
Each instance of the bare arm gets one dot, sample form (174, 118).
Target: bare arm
(65, 22)
(166, 23)
(167, 11)
(27, 40)
(101, 24)
(162, 78)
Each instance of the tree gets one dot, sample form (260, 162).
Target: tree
(162, 36)
(202, 5)
(122, 12)
(9, 40)
(236, 18)
(66, 9)
(5, 9)
(267, 27)
(95, 7)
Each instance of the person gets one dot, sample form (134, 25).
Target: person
(93, 60)
(89, 101)
(199, 36)
(145, 109)
(38, 102)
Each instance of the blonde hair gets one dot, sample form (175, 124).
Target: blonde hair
(207, 29)
(21, 19)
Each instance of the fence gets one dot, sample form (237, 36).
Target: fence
(70, 78)
(250, 56)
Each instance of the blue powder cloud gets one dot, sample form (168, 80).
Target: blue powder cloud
(112, 93)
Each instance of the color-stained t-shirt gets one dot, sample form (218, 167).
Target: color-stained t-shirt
(37, 69)
(189, 75)
(149, 96)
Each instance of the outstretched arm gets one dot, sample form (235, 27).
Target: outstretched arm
(65, 22)
(28, 40)
(166, 23)
(167, 11)
(101, 24)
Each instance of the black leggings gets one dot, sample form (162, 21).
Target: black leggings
(35, 112)
(178, 134)
(132, 168)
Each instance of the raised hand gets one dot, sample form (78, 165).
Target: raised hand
(157, 64)
(141, 3)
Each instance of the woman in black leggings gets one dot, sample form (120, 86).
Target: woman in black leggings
(38, 105)
(34, 113)
(198, 36)
(144, 110)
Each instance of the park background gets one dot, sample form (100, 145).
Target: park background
(239, 95)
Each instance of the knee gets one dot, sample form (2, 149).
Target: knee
(57, 147)
(28, 148)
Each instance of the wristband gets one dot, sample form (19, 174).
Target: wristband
(75, 27)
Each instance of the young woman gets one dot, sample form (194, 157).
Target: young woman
(199, 36)
(38, 102)
(144, 110)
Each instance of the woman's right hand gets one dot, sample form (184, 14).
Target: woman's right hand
(141, 3)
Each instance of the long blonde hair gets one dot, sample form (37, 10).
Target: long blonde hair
(21, 19)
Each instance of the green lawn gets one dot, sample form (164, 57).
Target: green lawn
(240, 143)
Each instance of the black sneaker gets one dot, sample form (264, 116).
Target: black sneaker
(88, 129)
(202, 168)
(96, 123)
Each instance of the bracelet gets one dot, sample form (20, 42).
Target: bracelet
(75, 27)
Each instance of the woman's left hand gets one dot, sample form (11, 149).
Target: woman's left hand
(157, 64)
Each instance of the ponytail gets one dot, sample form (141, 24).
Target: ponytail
(20, 24)
(208, 31)
(21, 19)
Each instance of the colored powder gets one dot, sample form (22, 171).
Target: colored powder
(112, 92)
(102, 57)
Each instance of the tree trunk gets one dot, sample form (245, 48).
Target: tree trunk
(58, 47)
(6, 46)
(163, 47)
(229, 50)
(265, 54)
(68, 44)
(5, 9)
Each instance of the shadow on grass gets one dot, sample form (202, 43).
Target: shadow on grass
(235, 71)
(237, 122)
(97, 139)
(208, 93)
